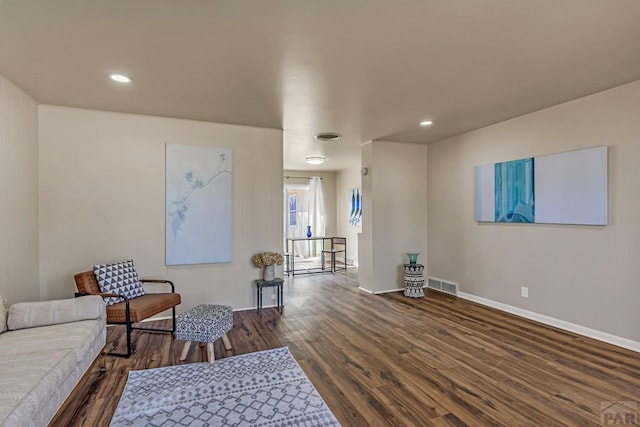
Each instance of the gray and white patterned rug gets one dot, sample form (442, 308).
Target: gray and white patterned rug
(266, 388)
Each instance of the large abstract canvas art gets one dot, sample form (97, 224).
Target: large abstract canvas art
(198, 204)
(563, 188)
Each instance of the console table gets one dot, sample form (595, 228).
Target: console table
(413, 280)
(291, 248)
(277, 283)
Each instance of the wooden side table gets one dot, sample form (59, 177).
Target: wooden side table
(278, 283)
(413, 280)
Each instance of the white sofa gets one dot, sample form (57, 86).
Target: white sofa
(45, 349)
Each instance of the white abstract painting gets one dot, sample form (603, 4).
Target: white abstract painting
(561, 188)
(198, 204)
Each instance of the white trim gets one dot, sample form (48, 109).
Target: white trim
(245, 309)
(255, 307)
(551, 321)
(151, 319)
(388, 291)
(366, 290)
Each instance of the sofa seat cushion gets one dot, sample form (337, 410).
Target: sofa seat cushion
(142, 307)
(34, 385)
(85, 338)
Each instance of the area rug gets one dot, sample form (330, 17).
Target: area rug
(266, 388)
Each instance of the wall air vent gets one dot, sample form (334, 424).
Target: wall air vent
(442, 286)
(328, 136)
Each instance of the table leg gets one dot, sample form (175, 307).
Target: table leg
(259, 293)
(278, 296)
(293, 258)
(210, 356)
(281, 297)
(185, 350)
(225, 341)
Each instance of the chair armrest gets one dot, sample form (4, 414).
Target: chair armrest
(102, 294)
(173, 288)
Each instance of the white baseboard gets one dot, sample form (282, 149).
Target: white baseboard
(256, 307)
(380, 292)
(388, 291)
(151, 319)
(551, 321)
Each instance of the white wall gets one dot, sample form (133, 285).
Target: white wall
(365, 242)
(587, 275)
(347, 179)
(396, 183)
(102, 199)
(19, 192)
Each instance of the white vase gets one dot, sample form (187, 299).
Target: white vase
(269, 273)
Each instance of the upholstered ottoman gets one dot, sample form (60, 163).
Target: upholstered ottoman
(204, 323)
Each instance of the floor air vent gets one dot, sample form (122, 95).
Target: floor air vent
(442, 286)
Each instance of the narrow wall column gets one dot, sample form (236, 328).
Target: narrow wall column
(394, 212)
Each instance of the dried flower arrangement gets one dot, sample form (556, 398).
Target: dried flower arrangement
(267, 258)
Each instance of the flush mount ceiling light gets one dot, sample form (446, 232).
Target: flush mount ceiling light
(120, 78)
(315, 160)
(328, 136)
(426, 123)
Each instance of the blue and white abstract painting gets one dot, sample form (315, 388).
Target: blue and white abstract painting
(355, 216)
(562, 188)
(198, 204)
(514, 192)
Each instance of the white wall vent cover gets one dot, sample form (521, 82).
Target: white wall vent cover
(442, 286)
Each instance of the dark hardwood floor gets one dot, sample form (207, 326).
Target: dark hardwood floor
(387, 360)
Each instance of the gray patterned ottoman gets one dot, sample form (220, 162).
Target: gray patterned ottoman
(204, 323)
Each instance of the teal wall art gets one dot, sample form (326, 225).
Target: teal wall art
(563, 188)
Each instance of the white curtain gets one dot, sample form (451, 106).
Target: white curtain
(316, 211)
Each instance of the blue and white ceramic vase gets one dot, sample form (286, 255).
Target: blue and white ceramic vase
(309, 231)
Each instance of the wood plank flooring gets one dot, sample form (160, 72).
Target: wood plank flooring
(387, 360)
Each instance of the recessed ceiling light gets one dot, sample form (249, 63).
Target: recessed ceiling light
(315, 160)
(426, 123)
(120, 78)
(328, 136)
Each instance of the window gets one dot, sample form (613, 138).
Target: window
(293, 210)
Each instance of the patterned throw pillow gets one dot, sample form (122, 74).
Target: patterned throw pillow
(3, 316)
(119, 278)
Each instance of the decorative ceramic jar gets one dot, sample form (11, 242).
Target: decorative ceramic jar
(269, 273)
(309, 231)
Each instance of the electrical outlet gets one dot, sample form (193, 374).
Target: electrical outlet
(524, 292)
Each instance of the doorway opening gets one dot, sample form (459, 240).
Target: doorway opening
(304, 224)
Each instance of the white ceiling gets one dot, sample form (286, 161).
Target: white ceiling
(367, 69)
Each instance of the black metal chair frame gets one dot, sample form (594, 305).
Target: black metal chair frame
(130, 347)
(333, 251)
